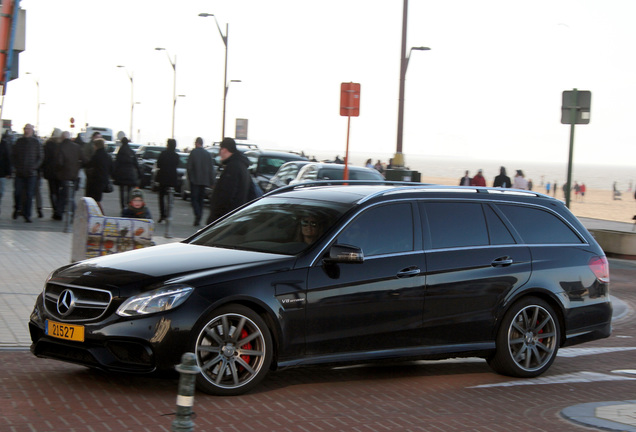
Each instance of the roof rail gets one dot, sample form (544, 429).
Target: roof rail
(343, 183)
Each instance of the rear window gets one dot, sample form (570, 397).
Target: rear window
(538, 226)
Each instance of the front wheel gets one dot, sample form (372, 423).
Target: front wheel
(234, 350)
(528, 339)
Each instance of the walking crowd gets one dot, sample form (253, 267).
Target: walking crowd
(71, 165)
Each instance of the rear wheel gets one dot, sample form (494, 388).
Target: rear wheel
(528, 339)
(234, 351)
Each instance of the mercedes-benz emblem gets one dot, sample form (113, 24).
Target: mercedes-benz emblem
(66, 302)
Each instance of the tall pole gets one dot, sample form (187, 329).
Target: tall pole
(174, 90)
(398, 160)
(174, 84)
(225, 85)
(224, 37)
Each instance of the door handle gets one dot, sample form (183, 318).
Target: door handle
(502, 261)
(408, 272)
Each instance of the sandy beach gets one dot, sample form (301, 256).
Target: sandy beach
(597, 204)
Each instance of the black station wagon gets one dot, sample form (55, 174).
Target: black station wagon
(317, 273)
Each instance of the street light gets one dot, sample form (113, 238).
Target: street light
(226, 85)
(174, 83)
(398, 160)
(132, 100)
(37, 118)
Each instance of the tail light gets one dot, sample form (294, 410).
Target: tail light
(600, 267)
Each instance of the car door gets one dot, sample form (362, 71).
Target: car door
(473, 262)
(376, 304)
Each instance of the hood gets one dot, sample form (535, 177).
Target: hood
(161, 263)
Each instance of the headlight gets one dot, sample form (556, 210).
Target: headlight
(159, 300)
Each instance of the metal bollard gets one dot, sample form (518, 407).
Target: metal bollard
(69, 190)
(168, 233)
(188, 371)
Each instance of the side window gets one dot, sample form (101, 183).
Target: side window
(498, 232)
(381, 230)
(456, 225)
(539, 226)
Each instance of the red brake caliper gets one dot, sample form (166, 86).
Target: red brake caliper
(247, 346)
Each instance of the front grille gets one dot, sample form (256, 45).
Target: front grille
(77, 303)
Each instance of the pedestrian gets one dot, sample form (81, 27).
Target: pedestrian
(98, 171)
(69, 160)
(378, 167)
(167, 164)
(49, 169)
(479, 179)
(582, 189)
(136, 207)
(520, 181)
(231, 190)
(125, 172)
(26, 155)
(502, 180)
(554, 188)
(547, 188)
(201, 175)
(369, 163)
(465, 181)
(530, 184)
(6, 167)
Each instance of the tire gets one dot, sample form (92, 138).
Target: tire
(528, 339)
(234, 350)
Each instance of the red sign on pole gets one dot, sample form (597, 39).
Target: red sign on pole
(350, 99)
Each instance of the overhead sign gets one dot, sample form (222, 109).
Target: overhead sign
(241, 129)
(576, 106)
(350, 99)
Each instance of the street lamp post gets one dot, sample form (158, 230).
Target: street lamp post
(226, 85)
(398, 159)
(37, 113)
(174, 83)
(132, 100)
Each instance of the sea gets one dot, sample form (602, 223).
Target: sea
(594, 176)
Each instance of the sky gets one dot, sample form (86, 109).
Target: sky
(489, 88)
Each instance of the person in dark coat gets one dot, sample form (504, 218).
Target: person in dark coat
(233, 185)
(201, 176)
(49, 168)
(98, 171)
(502, 180)
(27, 155)
(5, 161)
(167, 164)
(125, 172)
(70, 158)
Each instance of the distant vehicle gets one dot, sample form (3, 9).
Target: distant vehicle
(264, 164)
(147, 155)
(181, 174)
(329, 171)
(285, 174)
(107, 133)
(214, 150)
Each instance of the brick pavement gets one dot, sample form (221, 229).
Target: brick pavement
(458, 395)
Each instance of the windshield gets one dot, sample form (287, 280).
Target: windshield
(274, 225)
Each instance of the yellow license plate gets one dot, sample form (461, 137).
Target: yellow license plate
(65, 331)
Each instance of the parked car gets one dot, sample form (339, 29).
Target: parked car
(315, 274)
(265, 163)
(331, 171)
(147, 156)
(181, 174)
(285, 174)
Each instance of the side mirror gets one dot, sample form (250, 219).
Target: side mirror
(340, 253)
